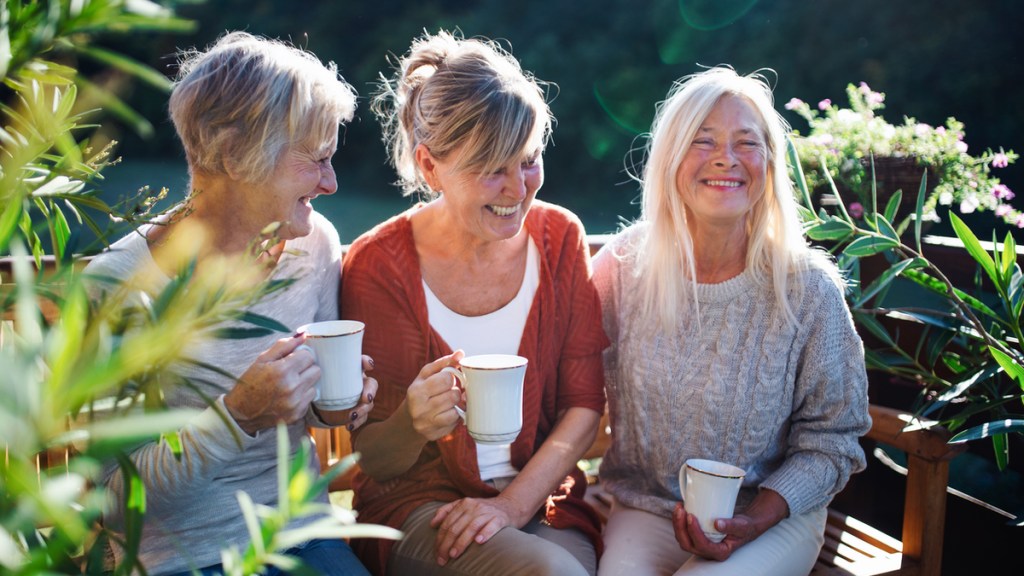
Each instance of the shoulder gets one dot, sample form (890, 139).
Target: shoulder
(322, 241)
(385, 241)
(622, 246)
(121, 257)
(553, 222)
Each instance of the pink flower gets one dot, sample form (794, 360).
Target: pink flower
(940, 130)
(876, 98)
(864, 88)
(856, 209)
(1003, 192)
(1020, 221)
(961, 146)
(1000, 160)
(921, 130)
(794, 103)
(824, 104)
(1002, 210)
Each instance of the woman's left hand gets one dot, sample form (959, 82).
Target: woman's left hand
(356, 417)
(766, 510)
(463, 522)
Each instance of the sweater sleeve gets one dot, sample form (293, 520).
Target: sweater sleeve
(830, 405)
(580, 368)
(377, 290)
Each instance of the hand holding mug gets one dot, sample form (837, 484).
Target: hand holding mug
(431, 399)
(277, 387)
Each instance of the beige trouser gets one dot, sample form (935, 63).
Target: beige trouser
(536, 549)
(638, 543)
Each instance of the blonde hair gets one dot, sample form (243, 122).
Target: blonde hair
(449, 91)
(238, 106)
(776, 247)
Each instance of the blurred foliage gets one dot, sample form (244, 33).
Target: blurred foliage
(85, 361)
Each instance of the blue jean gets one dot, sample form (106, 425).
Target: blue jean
(328, 557)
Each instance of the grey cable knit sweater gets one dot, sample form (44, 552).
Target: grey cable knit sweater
(786, 404)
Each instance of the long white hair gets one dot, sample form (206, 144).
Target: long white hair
(776, 249)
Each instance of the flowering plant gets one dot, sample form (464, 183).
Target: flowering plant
(848, 140)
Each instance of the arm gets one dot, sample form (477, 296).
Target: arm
(390, 447)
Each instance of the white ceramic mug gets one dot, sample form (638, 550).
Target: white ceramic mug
(338, 348)
(709, 491)
(494, 396)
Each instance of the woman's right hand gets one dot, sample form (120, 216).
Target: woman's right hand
(432, 397)
(277, 387)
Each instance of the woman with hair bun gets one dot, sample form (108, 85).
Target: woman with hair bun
(481, 267)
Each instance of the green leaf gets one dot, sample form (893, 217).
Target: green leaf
(145, 73)
(240, 333)
(886, 228)
(9, 218)
(1009, 258)
(988, 429)
(883, 280)
(832, 229)
(870, 245)
(973, 246)
(893, 205)
(922, 192)
(1010, 365)
(263, 321)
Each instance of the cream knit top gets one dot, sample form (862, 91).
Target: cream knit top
(787, 404)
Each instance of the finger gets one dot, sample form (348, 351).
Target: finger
(368, 364)
(282, 348)
(441, 514)
(369, 391)
(441, 363)
(488, 530)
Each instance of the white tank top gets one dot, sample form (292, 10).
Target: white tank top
(496, 333)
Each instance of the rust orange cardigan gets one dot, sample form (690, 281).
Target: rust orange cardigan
(563, 339)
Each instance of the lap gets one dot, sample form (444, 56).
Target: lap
(536, 549)
(331, 557)
(640, 543)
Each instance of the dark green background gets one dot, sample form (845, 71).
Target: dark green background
(611, 61)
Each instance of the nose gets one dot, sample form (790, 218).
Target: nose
(516, 183)
(328, 179)
(726, 157)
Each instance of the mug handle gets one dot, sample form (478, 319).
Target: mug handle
(315, 359)
(462, 381)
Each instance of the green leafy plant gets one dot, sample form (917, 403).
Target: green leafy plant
(84, 369)
(961, 344)
(847, 140)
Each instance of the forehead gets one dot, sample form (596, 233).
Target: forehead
(733, 114)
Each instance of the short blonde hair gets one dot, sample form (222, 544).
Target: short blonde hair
(238, 106)
(449, 91)
(776, 248)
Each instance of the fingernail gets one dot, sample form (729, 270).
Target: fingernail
(372, 363)
(369, 398)
(350, 427)
(354, 415)
(440, 561)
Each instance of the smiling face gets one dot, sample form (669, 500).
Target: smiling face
(487, 206)
(723, 172)
(303, 173)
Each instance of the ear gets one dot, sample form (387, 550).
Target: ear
(428, 166)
